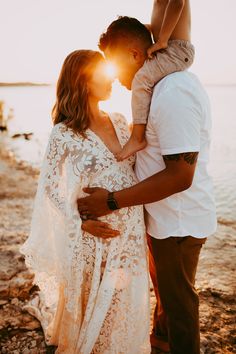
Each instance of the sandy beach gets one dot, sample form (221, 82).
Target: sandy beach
(21, 333)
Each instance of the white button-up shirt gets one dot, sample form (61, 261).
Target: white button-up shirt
(179, 121)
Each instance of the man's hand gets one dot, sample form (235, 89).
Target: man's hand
(99, 229)
(95, 204)
(155, 47)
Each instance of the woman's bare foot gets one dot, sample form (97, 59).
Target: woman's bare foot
(130, 148)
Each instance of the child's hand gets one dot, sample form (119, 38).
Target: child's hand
(155, 47)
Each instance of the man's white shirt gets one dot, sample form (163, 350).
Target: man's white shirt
(179, 121)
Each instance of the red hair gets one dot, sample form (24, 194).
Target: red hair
(72, 96)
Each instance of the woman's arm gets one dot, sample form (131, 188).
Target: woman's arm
(52, 170)
(57, 153)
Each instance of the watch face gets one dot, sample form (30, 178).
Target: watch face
(111, 202)
(112, 205)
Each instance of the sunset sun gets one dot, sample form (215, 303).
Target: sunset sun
(111, 70)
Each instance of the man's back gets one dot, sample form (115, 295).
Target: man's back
(179, 122)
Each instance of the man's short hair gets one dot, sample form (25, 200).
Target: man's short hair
(122, 30)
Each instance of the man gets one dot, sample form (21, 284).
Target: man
(174, 186)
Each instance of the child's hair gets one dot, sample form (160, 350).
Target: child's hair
(124, 30)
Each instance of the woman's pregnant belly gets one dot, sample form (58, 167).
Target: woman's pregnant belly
(117, 178)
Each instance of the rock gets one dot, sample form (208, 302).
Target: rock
(34, 351)
(26, 351)
(10, 264)
(15, 278)
(15, 301)
(33, 343)
(29, 334)
(17, 286)
(3, 302)
(3, 117)
(204, 342)
(15, 317)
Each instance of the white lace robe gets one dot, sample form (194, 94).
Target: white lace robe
(94, 293)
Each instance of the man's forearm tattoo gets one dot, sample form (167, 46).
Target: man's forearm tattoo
(189, 157)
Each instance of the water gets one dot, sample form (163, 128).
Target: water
(32, 113)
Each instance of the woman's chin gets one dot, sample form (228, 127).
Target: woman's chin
(125, 83)
(106, 97)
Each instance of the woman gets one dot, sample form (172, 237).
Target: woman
(96, 289)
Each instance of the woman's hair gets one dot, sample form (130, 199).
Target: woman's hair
(72, 96)
(124, 30)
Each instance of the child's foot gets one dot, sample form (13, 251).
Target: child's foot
(130, 148)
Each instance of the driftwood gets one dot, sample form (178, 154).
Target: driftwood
(27, 136)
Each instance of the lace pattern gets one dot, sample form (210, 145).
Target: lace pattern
(94, 293)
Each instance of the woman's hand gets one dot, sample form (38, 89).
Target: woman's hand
(99, 229)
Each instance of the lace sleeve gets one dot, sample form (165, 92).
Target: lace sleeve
(56, 224)
(56, 155)
(54, 171)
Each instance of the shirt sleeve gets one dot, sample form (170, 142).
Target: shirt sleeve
(177, 122)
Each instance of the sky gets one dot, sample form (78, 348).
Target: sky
(37, 35)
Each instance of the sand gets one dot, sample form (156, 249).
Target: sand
(21, 333)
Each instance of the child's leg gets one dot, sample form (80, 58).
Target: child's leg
(158, 14)
(178, 56)
(136, 142)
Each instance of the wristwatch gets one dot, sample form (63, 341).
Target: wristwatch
(111, 202)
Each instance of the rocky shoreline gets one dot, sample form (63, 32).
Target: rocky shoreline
(20, 332)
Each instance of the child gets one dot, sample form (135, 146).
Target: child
(170, 25)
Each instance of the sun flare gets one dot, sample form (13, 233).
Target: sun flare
(111, 70)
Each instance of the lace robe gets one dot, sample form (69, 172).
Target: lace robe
(94, 293)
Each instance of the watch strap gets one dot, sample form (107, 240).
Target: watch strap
(111, 201)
